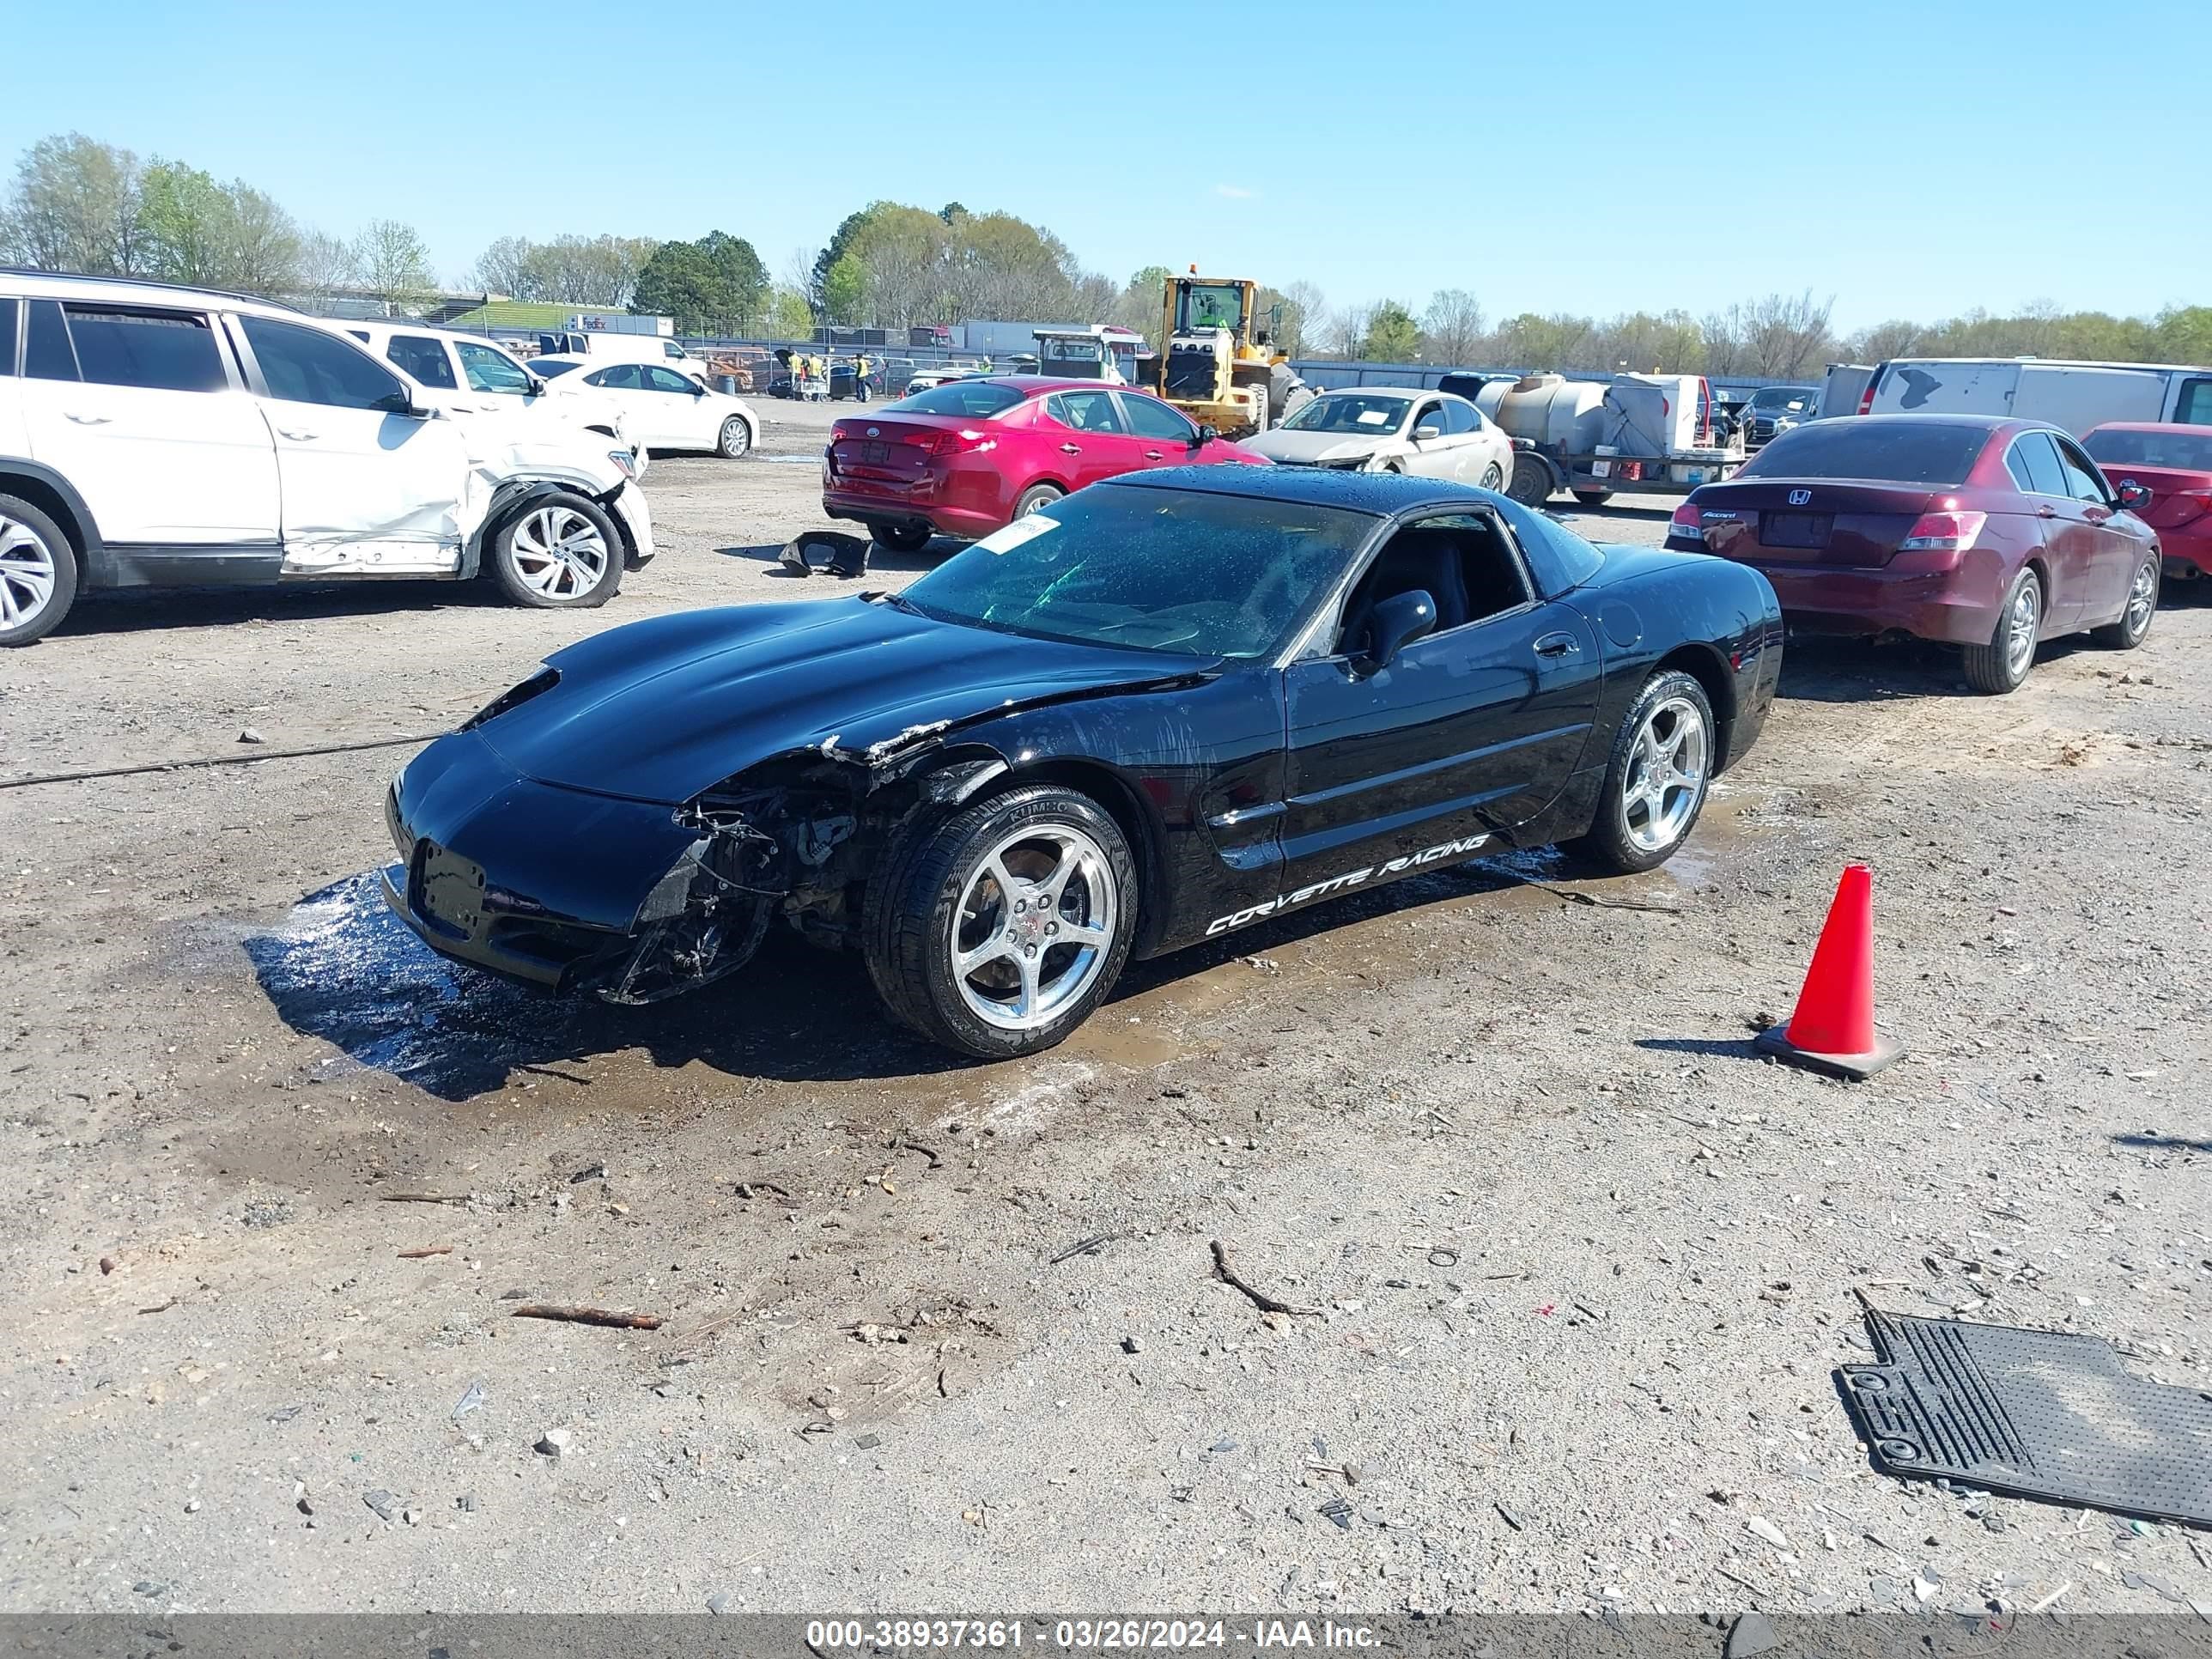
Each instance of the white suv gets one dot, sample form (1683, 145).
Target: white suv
(159, 436)
(466, 374)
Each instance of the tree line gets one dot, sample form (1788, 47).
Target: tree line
(78, 204)
(1777, 337)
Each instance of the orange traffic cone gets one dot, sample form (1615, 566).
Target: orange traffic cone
(1832, 1030)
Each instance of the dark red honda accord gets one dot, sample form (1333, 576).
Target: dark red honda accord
(1989, 533)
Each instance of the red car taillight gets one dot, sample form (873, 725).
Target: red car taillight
(938, 444)
(1686, 521)
(1943, 533)
(1866, 397)
(2200, 502)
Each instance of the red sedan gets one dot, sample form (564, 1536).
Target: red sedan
(2174, 463)
(970, 457)
(1991, 533)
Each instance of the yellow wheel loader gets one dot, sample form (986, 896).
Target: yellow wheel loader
(1217, 361)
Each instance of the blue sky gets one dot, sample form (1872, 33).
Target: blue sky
(1909, 159)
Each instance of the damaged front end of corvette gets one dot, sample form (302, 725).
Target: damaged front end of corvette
(546, 840)
(795, 838)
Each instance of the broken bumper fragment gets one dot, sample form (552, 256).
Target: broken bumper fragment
(566, 889)
(629, 506)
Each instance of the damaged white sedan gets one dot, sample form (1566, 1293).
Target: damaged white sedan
(160, 437)
(1389, 428)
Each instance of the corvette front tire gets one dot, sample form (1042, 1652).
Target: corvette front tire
(997, 929)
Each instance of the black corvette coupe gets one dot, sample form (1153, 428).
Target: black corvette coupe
(1157, 710)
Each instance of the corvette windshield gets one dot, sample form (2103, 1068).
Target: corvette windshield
(1153, 569)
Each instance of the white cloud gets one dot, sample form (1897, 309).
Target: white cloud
(1235, 192)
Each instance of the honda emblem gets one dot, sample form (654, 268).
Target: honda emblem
(1797, 497)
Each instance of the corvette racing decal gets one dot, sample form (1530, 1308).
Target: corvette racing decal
(1345, 882)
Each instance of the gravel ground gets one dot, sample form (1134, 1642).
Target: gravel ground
(1582, 1266)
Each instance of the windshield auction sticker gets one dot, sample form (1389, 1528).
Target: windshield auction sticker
(1027, 528)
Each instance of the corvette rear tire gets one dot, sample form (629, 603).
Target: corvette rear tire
(557, 552)
(2002, 663)
(901, 537)
(1037, 495)
(38, 572)
(1656, 785)
(997, 929)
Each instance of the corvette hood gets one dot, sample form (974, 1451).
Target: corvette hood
(662, 709)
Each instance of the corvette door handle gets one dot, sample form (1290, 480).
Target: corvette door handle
(1556, 644)
(92, 420)
(1071, 449)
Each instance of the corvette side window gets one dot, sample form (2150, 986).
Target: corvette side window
(1461, 561)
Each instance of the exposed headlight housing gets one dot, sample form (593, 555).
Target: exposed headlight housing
(543, 681)
(625, 460)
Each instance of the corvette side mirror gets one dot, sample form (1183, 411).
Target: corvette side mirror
(1398, 622)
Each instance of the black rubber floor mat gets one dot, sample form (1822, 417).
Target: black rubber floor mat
(2035, 1413)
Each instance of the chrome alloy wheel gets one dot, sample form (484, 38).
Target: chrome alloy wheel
(26, 573)
(1665, 774)
(2020, 626)
(2142, 597)
(559, 552)
(1034, 926)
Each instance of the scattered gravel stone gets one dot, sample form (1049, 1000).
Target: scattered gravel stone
(385, 1503)
(250, 735)
(1752, 1633)
(555, 1442)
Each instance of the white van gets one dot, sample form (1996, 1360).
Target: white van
(2074, 395)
